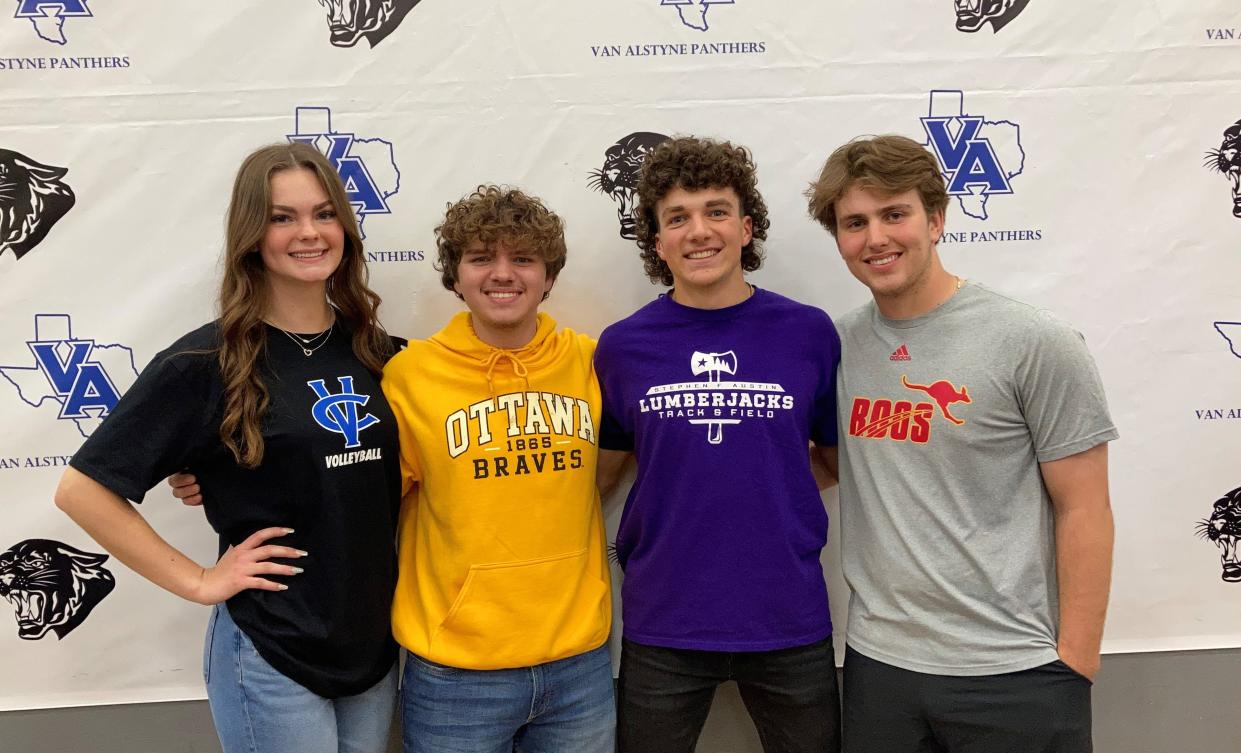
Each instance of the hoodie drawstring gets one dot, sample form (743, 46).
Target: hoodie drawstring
(494, 358)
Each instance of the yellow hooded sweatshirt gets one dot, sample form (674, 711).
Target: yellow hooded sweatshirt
(503, 561)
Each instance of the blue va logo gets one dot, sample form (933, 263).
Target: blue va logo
(366, 166)
(48, 16)
(78, 374)
(693, 13)
(979, 157)
(339, 413)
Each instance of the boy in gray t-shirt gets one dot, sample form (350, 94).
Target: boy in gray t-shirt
(977, 529)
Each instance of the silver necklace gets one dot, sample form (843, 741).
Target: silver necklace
(305, 342)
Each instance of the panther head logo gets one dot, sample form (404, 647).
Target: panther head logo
(972, 15)
(32, 199)
(1224, 528)
(618, 177)
(353, 20)
(1227, 160)
(52, 586)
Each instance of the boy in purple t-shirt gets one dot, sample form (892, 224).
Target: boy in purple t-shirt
(718, 388)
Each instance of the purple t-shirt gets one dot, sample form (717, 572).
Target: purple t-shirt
(721, 535)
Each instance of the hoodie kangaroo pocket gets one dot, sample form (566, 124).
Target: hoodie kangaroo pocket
(516, 614)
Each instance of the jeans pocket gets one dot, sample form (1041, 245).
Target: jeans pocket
(207, 643)
(1061, 666)
(426, 665)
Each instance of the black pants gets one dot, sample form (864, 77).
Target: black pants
(665, 693)
(892, 710)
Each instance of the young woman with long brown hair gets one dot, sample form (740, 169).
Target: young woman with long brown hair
(277, 408)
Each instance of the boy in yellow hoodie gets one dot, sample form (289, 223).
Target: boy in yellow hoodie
(503, 598)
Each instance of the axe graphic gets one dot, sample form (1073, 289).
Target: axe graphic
(712, 364)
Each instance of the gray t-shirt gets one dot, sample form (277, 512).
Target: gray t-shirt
(947, 530)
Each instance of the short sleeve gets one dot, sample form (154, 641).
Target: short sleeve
(1061, 394)
(613, 433)
(823, 429)
(612, 436)
(153, 431)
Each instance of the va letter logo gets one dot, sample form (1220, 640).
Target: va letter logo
(339, 413)
(366, 166)
(979, 157)
(83, 377)
(48, 16)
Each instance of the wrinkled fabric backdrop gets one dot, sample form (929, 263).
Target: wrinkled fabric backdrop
(1087, 146)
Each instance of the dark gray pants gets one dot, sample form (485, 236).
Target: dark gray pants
(664, 695)
(890, 710)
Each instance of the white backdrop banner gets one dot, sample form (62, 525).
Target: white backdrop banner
(1093, 150)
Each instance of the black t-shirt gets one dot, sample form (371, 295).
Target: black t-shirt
(330, 471)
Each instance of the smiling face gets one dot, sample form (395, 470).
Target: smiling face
(701, 234)
(888, 243)
(304, 241)
(503, 287)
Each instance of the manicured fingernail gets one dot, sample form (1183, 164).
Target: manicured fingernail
(298, 571)
(283, 587)
(288, 530)
(300, 553)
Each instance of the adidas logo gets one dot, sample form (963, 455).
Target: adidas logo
(900, 354)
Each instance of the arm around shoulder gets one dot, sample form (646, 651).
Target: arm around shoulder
(824, 464)
(611, 468)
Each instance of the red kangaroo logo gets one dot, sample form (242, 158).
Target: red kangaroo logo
(944, 394)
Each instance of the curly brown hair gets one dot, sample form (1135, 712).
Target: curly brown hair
(499, 214)
(886, 164)
(692, 164)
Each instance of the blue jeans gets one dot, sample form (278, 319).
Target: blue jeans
(564, 706)
(258, 710)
